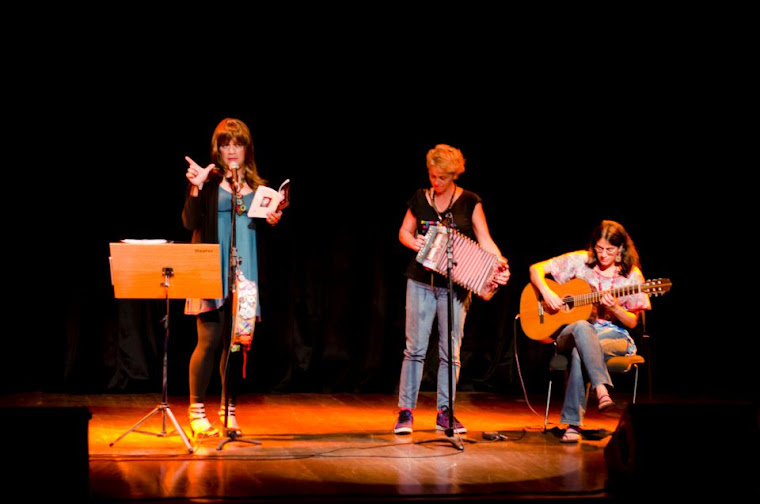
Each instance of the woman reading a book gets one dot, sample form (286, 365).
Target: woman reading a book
(610, 261)
(216, 194)
(443, 203)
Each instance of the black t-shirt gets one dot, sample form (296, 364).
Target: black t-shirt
(427, 216)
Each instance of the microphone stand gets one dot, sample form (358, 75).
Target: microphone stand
(232, 434)
(455, 441)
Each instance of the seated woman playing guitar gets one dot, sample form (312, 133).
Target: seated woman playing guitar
(610, 262)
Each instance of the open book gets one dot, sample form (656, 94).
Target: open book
(267, 200)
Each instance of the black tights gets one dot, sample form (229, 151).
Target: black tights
(214, 328)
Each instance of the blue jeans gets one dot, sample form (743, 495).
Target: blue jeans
(589, 346)
(423, 304)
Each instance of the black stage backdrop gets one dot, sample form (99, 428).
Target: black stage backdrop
(553, 145)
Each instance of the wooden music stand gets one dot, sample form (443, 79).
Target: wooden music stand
(143, 270)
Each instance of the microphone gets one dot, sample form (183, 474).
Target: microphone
(234, 169)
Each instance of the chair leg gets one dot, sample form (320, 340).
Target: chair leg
(646, 344)
(548, 400)
(635, 383)
(588, 393)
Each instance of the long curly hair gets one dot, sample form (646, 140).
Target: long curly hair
(615, 233)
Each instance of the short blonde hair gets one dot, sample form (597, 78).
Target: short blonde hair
(446, 158)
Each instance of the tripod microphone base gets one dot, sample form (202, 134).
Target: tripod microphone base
(455, 441)
(234, 435)
(165, 411)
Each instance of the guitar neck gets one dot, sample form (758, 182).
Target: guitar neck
(595, 296)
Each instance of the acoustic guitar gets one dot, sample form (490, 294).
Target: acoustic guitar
(541, 323)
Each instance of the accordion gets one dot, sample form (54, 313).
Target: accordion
(474, 268)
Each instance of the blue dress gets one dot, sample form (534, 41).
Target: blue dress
(245, 242)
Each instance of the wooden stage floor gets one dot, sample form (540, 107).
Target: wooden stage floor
(324, 448)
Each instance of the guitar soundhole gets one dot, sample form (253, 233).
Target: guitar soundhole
(569, 303)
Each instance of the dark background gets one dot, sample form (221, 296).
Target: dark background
(557, 135)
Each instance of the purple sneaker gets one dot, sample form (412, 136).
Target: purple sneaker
(442, 422)
(404, 422)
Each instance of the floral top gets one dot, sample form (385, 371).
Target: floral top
(572, 265)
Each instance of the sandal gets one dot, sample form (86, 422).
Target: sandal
(199, 422)
(571, 435)
(605, 401)
(232, 423)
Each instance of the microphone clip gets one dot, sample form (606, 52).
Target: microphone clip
(448, 220)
